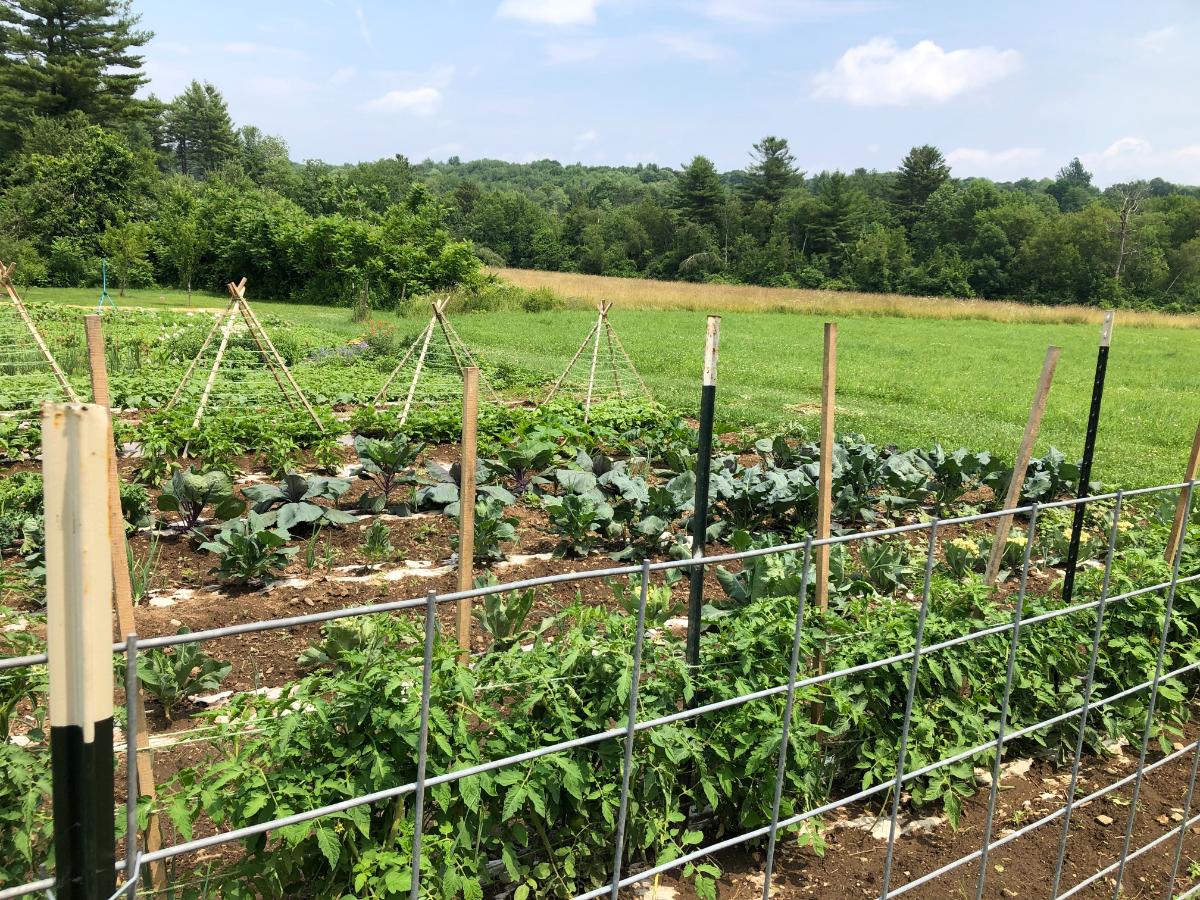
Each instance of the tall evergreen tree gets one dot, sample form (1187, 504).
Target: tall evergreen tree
(772, 171)
(922, 171)
(57, 56)
(1072, 187)
(699, 194)
(199, 130)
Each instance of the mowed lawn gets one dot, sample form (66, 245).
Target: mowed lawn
(903, 380)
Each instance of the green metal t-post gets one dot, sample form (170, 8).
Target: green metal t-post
(104, 295)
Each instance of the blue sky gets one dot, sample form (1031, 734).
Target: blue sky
(1005, 89)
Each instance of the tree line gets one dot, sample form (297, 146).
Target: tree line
(173, 193)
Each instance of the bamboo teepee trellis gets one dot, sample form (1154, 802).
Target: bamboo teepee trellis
(225, 322)
(439, 365)
(610, 373)
(14, 354)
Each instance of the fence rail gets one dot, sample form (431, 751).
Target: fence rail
(136, 860)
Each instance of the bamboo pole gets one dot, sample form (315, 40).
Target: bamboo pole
(1181, 510)
(396, 371)
(187, 376)
(825, 491)
(122, 598)
(212, 375)
(262, 350)
(587, 404)
(612, 357)
(412, 388)
(250, 315)
(59, 376)
(466, 505)
(1024, 453)
(616, 337)
(574, 359)
(470, 357)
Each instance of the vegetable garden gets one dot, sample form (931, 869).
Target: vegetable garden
(295, 584)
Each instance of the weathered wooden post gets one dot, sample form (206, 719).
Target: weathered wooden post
(466, 504)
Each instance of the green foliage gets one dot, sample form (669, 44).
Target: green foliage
(292, 504)
(386, 462)
(503, 615)
(493, 529)
(189, 493)
(176, 673)
(377, 542)
(249, 550)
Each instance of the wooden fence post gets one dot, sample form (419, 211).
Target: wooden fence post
(466, 504)
(1024, 453)
(122, 598)
(79, 644)
(825, 488)
(1181, 511)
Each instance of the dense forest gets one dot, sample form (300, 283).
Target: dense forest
(173, 193)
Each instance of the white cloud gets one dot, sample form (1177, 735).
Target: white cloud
(342, 76)
(879, 73)
(421, 101)
(550, 12)
(1133, 157)
(973, 157)
(769, 12)
(1158, 40)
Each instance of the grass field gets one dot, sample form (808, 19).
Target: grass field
(902, 379)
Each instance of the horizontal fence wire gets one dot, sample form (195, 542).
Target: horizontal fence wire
(137, 859)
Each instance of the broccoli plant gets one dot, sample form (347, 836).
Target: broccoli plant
(189, 492)
(249, 550)
(293, 502)
(176, 673)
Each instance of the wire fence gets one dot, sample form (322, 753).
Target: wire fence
(1172, 840)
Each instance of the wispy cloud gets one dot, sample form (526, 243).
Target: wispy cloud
(342, 75)
(769, 12)
(420, 101)
(1134, 156)
(879, 73)
(976, 161)
(1159, 39)
(550, 12)
(250, 48)
(638, 49)
(363, 28)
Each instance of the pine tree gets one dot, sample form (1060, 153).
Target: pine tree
(921, 173)
(57, 56)
(772, 172)
(699, 194)
(198, 128)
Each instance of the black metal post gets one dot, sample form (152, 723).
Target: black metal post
(708, 401)
(1089, 450)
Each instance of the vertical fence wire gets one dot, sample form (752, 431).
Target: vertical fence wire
(788, 708)
(1089, 683)
(1183, 823)
(1030, 537)
(131, 779)
(423, 743)
(1151, 703)
(631, 721)
(902, 751)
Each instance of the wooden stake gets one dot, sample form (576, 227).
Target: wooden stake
(574, 359)
(825, 478)
(1181, 510)
(122, 598)
(382, 395)
(466, 505)
(6, 279)
(1024, 453)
